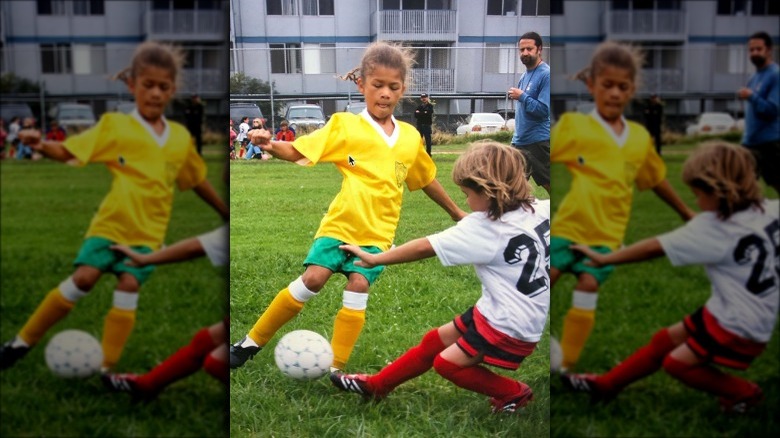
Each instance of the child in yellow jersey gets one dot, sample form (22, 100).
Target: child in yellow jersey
(606, 155)
(376, 154)
(147, 156)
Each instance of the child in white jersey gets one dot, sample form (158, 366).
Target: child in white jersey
(737, 239)
(507, 240)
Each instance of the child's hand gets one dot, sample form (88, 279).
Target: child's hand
(31, 138)
(260, 137)
(365, 257)
(136, 258)
(596, 259)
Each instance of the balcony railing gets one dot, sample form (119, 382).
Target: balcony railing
(432, 25)
(647, 23)
(203, 24)
(663, 80)
(433, 80)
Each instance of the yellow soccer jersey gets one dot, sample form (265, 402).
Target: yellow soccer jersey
(144, 167)
(374, 167)
(604, 168)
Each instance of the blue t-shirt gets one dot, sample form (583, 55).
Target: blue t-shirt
(762, 120)
(532, 111)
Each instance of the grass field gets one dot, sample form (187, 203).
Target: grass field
(635, 302)
(276, 208)
(46, 208)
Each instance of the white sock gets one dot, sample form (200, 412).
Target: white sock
(125, 300)
(584, 300)
(248, 342)
(355, 300)
(70, 291)
(299, 291)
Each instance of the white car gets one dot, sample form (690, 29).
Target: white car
(482, 123)
(712, 124)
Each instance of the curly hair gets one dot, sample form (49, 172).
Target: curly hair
(727, 171)
(156, 54)
(613, 54)
(384, 54)
(497, 170)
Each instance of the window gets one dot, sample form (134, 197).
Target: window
(89, 59)
(765, 7)
(503, 7)
(56, 58)
(556, 7)
(432, 56)
(285, 58)
(731, 58)
(535, 7)
(732, 7)
(88, 7)
(317, 7)
(51, 7)
(282, 7)
(391, 5)
(319, 58)
(501, 58)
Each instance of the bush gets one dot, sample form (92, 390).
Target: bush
(441, 138)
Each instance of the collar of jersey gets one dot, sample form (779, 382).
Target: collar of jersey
(160, 139)
(620, 140)
(389, 139)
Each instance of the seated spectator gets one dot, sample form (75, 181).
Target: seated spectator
(285, 133)
(252, 150)
(56, 132)
(232, 146)
(24, 151)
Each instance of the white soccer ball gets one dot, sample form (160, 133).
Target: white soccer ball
(556, 355)
(303, 355)
(73, 353)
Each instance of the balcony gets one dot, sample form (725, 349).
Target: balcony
(189, 24)
(668, 80)
(432, 80)
(655, 25)
(414, 25)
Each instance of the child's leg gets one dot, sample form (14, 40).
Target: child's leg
(579, 320)
(58, 303)
(416, 361)
(216, 364)
(454, 365)
(120, 320)
(350, 319)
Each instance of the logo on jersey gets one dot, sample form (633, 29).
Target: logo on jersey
(400, 173)
(580, 160)
(121, 160)
(351, 160)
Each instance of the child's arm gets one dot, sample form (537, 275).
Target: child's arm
(186, 249)
(436, 192)
(53, 150)
(665, 191)
(643, 250)
(279, 149)
(416, 249)
(206, 192)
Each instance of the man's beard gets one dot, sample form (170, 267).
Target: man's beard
(529, 60)
(758, 61)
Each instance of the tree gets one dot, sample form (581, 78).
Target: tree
(240, 83)
(12, 84)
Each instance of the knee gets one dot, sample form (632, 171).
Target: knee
(314, 281)
(358, 283)
(674, 367)
(85, 281)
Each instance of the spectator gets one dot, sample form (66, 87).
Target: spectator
(243, 129)
(3, 136)
(654, 115)
(56, 132)
(193, 117)
(232, 135)
(13, 136)
(762, 119)
(424, 116)
(25, 151)
(253, 150)
(285, 133)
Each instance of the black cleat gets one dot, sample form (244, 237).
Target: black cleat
(357, 383)
(239, 355)
(127, 383)
(587, 383)
(10, 354)
(515, 403)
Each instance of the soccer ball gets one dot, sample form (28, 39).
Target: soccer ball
(73, 353)
(303, 355)
(556, 355)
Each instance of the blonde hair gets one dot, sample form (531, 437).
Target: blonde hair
(383, 54)
(497, 170)
(154, 54)
(617, 55)
(727, 171)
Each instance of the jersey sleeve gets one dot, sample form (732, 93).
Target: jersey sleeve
(215, 244)
(653, 169)
(193, 170)
(95, 145)
(468, 242)
(423, 171)
(697, 242)
(325, 144)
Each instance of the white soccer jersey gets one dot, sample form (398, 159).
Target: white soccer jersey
(215, 243)
(740, 256)
(243, 130)
(512, 258)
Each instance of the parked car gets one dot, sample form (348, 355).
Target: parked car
(482, 123)
(509, 116)
(11, 110)
(355, 107)
(309, 117)
(125, 107)
(239, 110)
(712, 123)
(73, 117)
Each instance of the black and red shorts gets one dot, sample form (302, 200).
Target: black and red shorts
(710, 341)
(497, 348)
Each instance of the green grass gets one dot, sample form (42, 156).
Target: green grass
(46, 208)
(276, 208)
(636, 301)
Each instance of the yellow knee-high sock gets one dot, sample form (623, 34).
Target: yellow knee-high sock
(282, 309)
(577, 326)
(116, 330)
(52, 309)
(349, 323)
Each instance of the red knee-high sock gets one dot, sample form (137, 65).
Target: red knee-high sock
(216, 368)
(478, 379)
(184, 362)
(643, 362)
(416, 361)
(709, 379)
